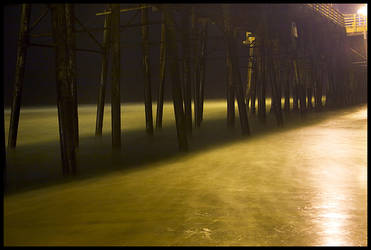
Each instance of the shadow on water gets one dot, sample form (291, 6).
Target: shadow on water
(38, 165)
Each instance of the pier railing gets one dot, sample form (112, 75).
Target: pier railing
(328, 11)
(355, 23)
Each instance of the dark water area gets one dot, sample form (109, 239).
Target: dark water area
(303, 184)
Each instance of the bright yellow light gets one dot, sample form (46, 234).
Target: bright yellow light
(362, 11)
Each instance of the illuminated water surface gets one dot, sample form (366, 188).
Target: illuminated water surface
(302, 185)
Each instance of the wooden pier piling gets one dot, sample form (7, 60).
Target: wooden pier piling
(65, 100)
(115, 89)
(72, 79)
(203, 53)
(187, 77)
(22, 44)
(147, 72)
(163, 60)
(175, 80)
(103, 75)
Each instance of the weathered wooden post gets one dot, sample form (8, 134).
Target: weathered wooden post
(319, 82)
(274, 79)
(203, 39)
(71, 47)
(230, 92)
(248, 85)
(160, 98)
(310, 95)
(22, 45)
(175, 79)
(263, 78)
(287, 80)
(195, 31)
(147, 73)
(274, 66)
(103, 75)
(64, 89)
(187, 80)
(237, 88)
(115, 94)
(253, 84)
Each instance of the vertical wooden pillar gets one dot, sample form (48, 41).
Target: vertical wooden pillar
(103, 75)
(115, 94)
(296, 86)
(303, 83)
(203, 39)
(195, 31)
(186, 32)
(318, 88)
(310, 95)
(230, 91)
(175, 79)
(64, 89)
(237, 88)
(273, 70)
(287, 79)
(248, 85)
(160, 98)
(263, 72)
(147, 73)
(254, 75)
(71, 46)
(23, 38)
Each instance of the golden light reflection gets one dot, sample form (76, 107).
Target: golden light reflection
(331, 205)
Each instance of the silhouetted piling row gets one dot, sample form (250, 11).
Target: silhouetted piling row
(294, 54)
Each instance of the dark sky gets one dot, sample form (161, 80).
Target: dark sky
(39, 85)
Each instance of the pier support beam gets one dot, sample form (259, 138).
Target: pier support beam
(262, 82)
(230, 93)
(187, 77)
(23, 39)
(103, 75)
(115, 94)
(175, 79)
(147, 73)
(163, 59)
(234, 69)
(196, 73)
(203, 44)
(64, 89)
(71, 51)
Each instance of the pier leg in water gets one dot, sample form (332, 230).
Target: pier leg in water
(262, 101)
(103, 75)
(230, 91)
(202, 68)
(71, 41)
(175, 79)
(147, 73)
(309, 93)
(195, 35)
(287, 79)
(296, 87)
(23, 38)
(115, 90)
(186, 49)
(163, 59)
(64, 91)
(231, 43)
(254, 74)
